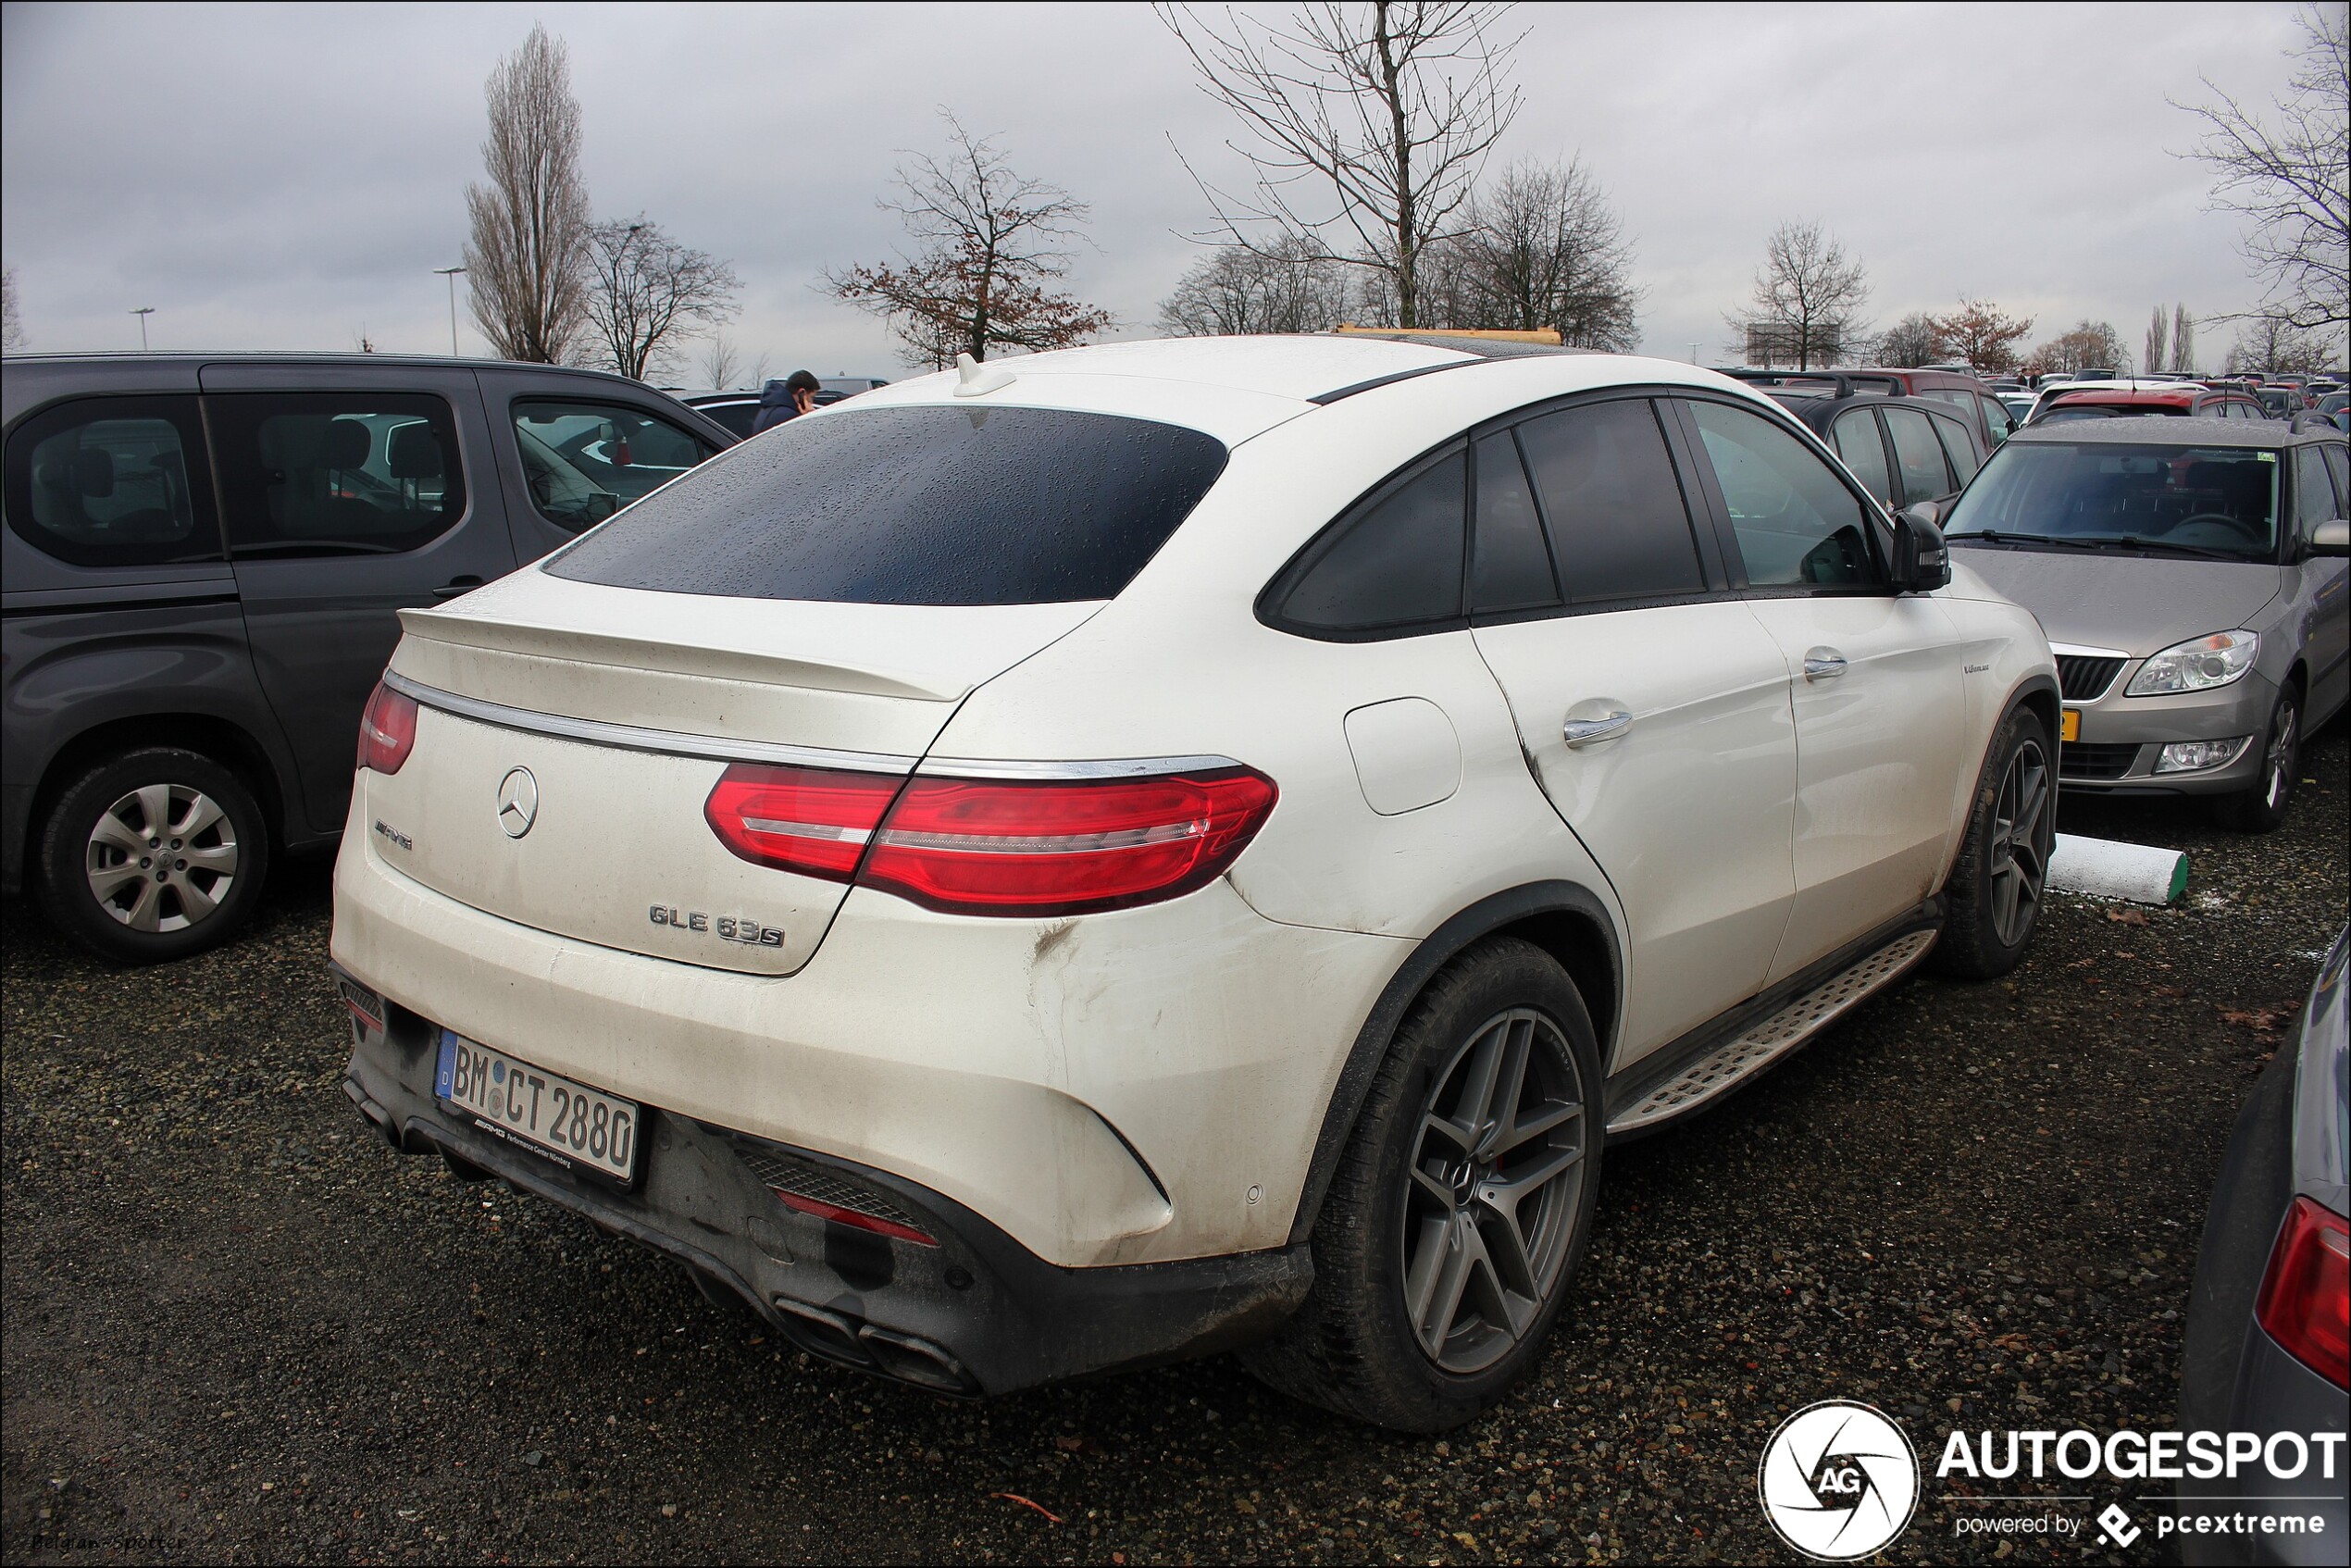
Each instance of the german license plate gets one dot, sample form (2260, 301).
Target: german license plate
(2069, 725)
(570, 1124)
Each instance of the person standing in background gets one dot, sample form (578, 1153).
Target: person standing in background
(786, 399)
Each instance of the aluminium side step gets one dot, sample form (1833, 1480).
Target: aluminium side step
(1764, 1042)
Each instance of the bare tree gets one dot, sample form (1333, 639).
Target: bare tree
(757, 375)
(645, 288)
(1237, 289)
(1543, 248)
(1366, 124)
(719, 361)
(1913, 341)
(527, 261)
(2272, 345)
(1981, 334)
(11, 322)
(1807, 298)
(2183, 342)
(2287, 173)
(989, 240)
(2090, 345)
(2159, 339)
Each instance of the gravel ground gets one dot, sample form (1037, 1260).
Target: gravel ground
(237, 1329)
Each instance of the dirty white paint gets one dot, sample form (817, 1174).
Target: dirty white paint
(1406, 754)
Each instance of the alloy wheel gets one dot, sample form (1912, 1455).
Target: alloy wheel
(1493, 1190)
(2277, 758)
(2022, 829)
(162, 858)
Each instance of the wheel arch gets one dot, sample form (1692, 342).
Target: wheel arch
(1566, 920)
(224, 741)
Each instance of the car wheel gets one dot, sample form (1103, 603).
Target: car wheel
(1460, 1205)
(1993, 900)
(155, 854)
(2262, 808)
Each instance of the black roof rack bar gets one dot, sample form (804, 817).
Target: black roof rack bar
(1330, 397)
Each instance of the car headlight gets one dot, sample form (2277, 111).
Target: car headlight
(2198, 664)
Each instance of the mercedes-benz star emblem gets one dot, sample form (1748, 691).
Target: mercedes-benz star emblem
(517, 802)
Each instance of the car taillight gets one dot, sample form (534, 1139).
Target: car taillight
(2306, 1296)
(1010, 847)
(814, 821)
(387, 729)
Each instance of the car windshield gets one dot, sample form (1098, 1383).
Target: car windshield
(2196, 501)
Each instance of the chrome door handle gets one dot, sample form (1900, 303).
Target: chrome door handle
(1823, 664)
(1581, 732)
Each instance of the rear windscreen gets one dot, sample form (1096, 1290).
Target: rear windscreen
(922, 506)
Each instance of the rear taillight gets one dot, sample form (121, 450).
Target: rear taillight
(2306, 1296)
(1011, 847)
(814, 821)
(387, 730)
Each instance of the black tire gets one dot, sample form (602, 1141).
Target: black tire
(1356, 1345)
(170, 896)
(2262, 808)
(1993, 900)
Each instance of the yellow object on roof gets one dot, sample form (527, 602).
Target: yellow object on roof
(1545, 335)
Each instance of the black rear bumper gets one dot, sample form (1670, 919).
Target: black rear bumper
(977, 1313)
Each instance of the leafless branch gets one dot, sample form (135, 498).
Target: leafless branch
(526, 262)
(1808, 297)
(645, 288)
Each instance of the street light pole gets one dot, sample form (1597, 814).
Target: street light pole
(142, 313)
(451, 273)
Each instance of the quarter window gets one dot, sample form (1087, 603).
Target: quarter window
(1398, 563)
(1958, 445)
(337, 473)
(1995, 418)
(114, 482)
(1796, 524)
(2314, 492)
(1863, 449)
(1924, 474)
(585, 460)
(1605, 479)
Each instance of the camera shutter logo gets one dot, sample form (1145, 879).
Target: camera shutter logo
(1838, 1480)
(517, 802)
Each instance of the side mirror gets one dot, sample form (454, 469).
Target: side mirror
(2331, 539)
(1921, 565)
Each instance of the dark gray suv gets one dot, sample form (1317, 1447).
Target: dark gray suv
(203, 558)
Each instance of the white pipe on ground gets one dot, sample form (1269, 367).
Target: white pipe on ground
(2107, 870)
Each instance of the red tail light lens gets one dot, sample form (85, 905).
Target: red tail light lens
(1064, 846)
(2306, 1296)
(387, 729)
(814, 821)
(1010, 847)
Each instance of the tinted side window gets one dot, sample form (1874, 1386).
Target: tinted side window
(1609, 497)
(1858, 444)
(1995, 418)
(2339, 464)
(586, 461)
(1398, 563)
(1511, 566)
(336, 473)
(1796, 524)
(1958, 445)
(1924, 474)
(117, 481)
(2314, 490)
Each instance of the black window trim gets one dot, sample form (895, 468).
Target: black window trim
(1727, 536)
(610, 397)
(207, 497)
(1713, 568)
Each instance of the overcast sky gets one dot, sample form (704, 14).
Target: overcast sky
(288, 177)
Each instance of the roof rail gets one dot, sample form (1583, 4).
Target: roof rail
(1548, 336)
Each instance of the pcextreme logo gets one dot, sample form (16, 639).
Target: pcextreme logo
(1838, 1480)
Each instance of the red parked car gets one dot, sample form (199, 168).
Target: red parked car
(2181, 400)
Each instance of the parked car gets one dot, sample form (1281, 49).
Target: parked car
(1965, 393)
(1066, 856)
(734, 410)
(2018, 404)
(2336, 408)
(205, 555)
(2267, 1348)
(1904, 450)
(2191, 576)
(2180, 400)
(2281, 403)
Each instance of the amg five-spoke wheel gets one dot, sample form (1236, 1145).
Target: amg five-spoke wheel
(1492, 1191)
(2021, 832)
